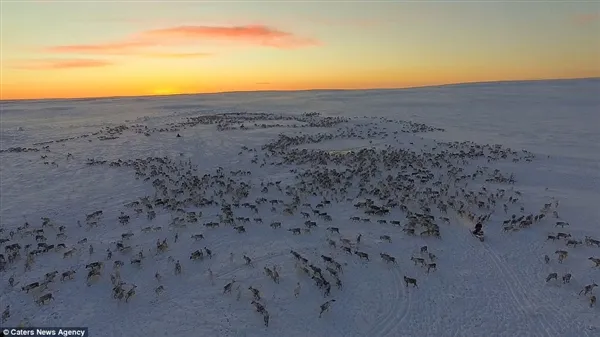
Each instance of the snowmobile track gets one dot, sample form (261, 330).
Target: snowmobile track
(387, 326)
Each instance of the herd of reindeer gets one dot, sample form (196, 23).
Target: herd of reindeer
(427, 187)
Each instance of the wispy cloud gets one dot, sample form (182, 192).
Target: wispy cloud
(356, 22)
(188, 35)
(61, 64)
(114, 48)
(255, 34)
(584, 19)
(178, 55)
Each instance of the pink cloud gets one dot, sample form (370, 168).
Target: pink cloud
(188, 35)
(255, 34)
(178, 55)
(583, 19)
(105, 48)
(62, 64)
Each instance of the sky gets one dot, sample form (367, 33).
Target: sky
(68, 49)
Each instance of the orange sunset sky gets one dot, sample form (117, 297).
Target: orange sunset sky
(63, 49)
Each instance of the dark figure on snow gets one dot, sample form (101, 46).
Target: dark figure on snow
(178, 136)
(478, 229)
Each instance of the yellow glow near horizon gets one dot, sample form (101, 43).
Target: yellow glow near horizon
(129, 49)
(166, 91)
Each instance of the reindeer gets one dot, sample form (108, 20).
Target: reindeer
(327, 290)
(197, 255)
(326, 259)
(44, 298)
(325, 307)
(508, 228)
(432, 257)
(130, 293)
(362, 255)
(259, 307)
(431, 266)
(418, 260)
(385, 238)
(562, 254)
(255, 292)
(50, 276)
(338, 283)
(595, 260)
(409, 280)
(95, 265)
(387, 258)
(68, 253)
(118, 291)
(227, 287)
(248, 261)
(574, 243)
(333, 230)
(588, 288)
(275, 276)
(115, 279)
(318, 281)
(338, 266)
(546, 259)
(30, 286)
(296, 255)
(592, 301)
(67, 275)
(590, 241)
(198, 237)
(92, 274)
(126, 236)
(269, 272)
(566, 278)
(208, 252)
(160, 247)
(331, 271)
(409, 231)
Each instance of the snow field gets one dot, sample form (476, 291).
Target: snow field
(479, 289)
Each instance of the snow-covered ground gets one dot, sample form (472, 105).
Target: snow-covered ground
(89, 155)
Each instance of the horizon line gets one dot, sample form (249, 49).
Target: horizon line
(293, 90)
